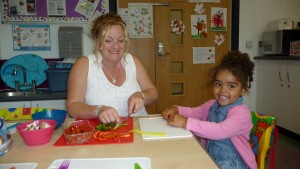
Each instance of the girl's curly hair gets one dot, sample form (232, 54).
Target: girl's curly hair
(240, 65)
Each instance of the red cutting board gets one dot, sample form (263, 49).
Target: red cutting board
(95, 122)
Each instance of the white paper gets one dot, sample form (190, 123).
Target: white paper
(56, 7)
(21, 7)
(86, 7)
(203, 55)
(141, 19)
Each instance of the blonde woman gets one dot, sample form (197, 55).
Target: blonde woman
(111, 82)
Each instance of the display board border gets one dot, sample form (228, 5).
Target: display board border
(71, 16)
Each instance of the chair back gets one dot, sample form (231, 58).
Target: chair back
(263, 138)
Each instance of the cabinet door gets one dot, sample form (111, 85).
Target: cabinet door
(270, 88)
(54, 104)
(292, 93)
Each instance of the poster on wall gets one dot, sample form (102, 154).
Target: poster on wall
(31, 37)
(86, 7)
(218, 19)
(213, 1)
(22, 7)
(140, 16)
(199, 26)
(203, 55)
(73, 11)
(56, 7)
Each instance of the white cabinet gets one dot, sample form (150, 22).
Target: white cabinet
(15, 104)
(55, 104)
(278, 91)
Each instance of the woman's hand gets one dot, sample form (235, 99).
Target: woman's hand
(135, 102)
(109, 115)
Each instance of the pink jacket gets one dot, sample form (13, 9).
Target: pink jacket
(236, 126)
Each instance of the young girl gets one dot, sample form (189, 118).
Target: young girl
(223, 123)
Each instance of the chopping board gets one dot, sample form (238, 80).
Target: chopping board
(95, 122)
(158, 124)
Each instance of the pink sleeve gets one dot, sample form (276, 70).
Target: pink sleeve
(238, 122)
(200, 112)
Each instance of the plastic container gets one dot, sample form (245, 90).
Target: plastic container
(36, 137)
(78, 132)
(57, 79)
(58, 115)
(6, 141)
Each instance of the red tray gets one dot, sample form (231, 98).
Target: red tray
(95, 122)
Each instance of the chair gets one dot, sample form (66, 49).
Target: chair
(263, 138)
(263, 147)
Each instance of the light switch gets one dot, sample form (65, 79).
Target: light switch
(249, 44)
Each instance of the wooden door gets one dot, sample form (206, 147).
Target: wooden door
(178, 79)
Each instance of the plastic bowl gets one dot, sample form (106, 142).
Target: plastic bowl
(58, 115)
(78, 132)
(36, 137)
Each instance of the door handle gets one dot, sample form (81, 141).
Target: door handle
(160, 49)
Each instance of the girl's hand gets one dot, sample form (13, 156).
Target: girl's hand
(177, 120)
(135, 102)
(169, 112)
(109, 115)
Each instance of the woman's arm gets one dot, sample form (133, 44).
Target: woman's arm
(77, 84)
(147, 86)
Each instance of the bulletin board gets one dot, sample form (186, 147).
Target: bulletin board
(21, 11)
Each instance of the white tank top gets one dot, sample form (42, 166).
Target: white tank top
(100, 91)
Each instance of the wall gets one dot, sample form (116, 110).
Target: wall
(254, 16)
(6, 49)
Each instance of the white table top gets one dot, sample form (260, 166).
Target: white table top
(181, 153)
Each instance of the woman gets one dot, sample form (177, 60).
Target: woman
(111, 82)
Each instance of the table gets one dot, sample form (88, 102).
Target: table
(183, 153)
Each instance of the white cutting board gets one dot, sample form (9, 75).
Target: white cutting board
(158, 124)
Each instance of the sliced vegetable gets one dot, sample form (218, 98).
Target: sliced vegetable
(109, 126)
(137, 166)
(106, 135)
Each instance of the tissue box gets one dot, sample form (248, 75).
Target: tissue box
(295, 48)
(57, 79)
(280, 24)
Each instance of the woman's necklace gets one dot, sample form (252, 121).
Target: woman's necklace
(113, 78)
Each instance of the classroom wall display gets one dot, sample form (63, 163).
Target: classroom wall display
(51, 10)
(31, 37)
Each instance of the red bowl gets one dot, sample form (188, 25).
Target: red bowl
(36, 137)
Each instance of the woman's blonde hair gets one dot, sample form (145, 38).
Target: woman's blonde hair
(102, 25)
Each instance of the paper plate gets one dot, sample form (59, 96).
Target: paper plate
(19, 166)
(107, 163)
(34, 66)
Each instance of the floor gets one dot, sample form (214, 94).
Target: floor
(287, 152)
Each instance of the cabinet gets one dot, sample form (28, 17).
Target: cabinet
(278, 91)
(55, 104)
(15, 104)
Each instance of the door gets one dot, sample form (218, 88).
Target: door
(179, 81)
(292, 92)
(270, 88)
